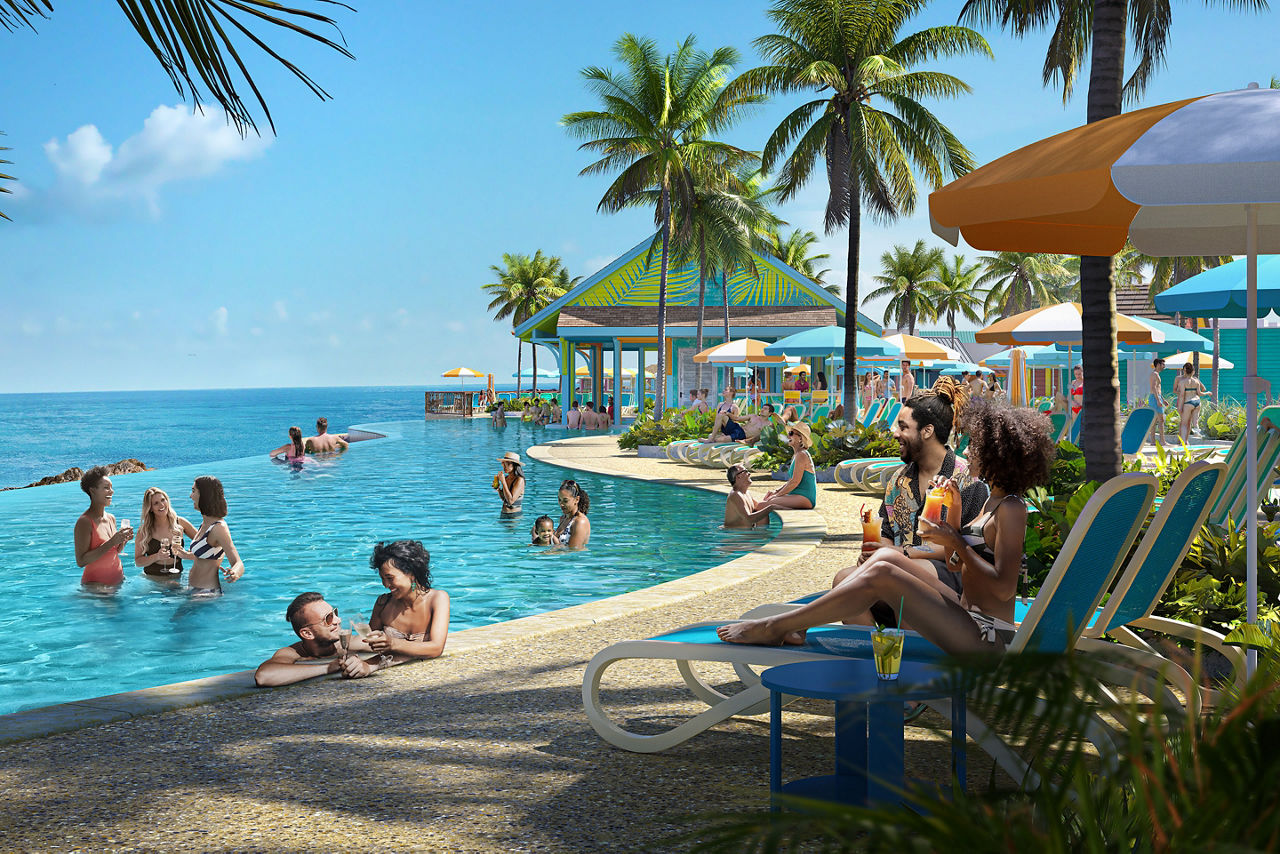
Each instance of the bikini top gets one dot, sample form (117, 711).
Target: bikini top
(975, 533)
(202, 549)
(567, 533)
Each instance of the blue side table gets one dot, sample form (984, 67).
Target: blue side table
(869, 725)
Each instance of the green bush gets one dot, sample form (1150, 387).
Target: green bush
(834, 441)
(674, 425)
(1209, 587)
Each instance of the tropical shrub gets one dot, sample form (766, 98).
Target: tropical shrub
(674, 425)
(1167, 465)
(1221, 419)
(1209, 587)
(834, 441)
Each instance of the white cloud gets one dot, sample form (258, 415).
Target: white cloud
(282, 312)
(31, 327)
(219, 319)
(174, 144)
(456, 326)
(334, 341)
(594, 265)
(256, 331)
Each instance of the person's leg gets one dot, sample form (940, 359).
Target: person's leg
(790, 501)
(922, 569)
(934, 611)
(1184, 422)
(715, 428)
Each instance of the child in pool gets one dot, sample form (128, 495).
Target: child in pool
(544, 531)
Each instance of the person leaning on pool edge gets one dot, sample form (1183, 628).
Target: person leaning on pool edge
(317, 625)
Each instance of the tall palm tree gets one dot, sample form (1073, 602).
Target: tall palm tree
(957, 293)
(653, 129)
(910, 280)
(1096, 28)
(1018, 281)
(1128, 268)
(794, 251)
(190, 40)
(525, 286)
(866, 122)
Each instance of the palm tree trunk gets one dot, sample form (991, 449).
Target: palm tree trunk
(850, 397)
(724, 299)
(702, 295)
(519, 357)
(1100, 436)
(659, 405)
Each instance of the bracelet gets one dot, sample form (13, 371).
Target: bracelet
(955, 559)
(904, 552)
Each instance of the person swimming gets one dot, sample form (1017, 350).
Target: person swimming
(293, 451)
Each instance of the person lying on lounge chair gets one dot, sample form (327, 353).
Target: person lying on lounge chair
(972, 612)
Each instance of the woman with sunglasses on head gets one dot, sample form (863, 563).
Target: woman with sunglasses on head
(411, 620)
(574, 530)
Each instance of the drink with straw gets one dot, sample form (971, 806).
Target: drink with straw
(886, 649)
(870, 526)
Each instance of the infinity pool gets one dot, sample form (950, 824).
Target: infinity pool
(313, 529)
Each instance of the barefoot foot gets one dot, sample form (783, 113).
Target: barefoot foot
(751, 631)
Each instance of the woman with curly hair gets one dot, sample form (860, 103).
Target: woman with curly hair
(1011, 449)
(411, 620)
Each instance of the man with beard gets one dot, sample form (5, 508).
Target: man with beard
(319, 628)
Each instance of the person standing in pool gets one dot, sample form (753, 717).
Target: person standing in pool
(574, 530)
(293, 451)
(510, 482)
(800, 492)
(211, 542)
(160, 523)
(411, 620)
(98, 543)
(318, 627)
(324, 442)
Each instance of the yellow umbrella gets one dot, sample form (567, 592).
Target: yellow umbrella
(462, 374)
(917, 349)
(1202, 361)
(1059, 324)
(743, 351)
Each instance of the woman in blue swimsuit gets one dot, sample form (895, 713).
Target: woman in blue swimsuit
(800, 492)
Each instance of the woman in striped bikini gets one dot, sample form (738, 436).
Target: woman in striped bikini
(212, 541)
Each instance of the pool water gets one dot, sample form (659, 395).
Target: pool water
(313, 529)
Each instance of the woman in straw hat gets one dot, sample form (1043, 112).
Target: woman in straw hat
(510, 483)
(800, 492)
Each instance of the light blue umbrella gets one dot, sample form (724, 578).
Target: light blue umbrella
(829, 341)
(1177, 339)
(543, 373)
(1220, 291)
(955, 369)
(1038, 356)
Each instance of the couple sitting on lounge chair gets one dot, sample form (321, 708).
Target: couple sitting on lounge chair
(957, 587)
(731, 426)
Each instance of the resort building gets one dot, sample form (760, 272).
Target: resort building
(615, 311)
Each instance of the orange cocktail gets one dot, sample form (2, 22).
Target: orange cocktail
(871, 530)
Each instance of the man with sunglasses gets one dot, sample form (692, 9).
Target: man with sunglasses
(317, 651)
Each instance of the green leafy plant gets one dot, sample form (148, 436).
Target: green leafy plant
(1167, 465)
(1048, 525)
(1221, 419)
(1066, 474)
(1209, 587)
(675, 424)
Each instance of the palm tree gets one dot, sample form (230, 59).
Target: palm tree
(1167, 272)
(866, 122)
(653, 129)
(526, 286)
(957, 293)
(1127, 269)
(189, 39)
(910, 281)
(1097, 28)
(794, 251)
(1018, 281)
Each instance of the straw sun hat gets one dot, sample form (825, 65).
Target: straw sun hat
(510, 457)
(803, 429)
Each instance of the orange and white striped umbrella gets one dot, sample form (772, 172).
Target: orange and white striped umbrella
(1060, 324)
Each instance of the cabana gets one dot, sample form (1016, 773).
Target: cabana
(616, 311)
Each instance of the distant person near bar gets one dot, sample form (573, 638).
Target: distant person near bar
(907, 385)
(1155, 400)
(324, 442)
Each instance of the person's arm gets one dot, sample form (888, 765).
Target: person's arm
(437, 634)
(286, 668)
(342, 443)
(517, 492)
(220, 536)
(83, 536)
(283, 449)
(503, 492)
(581, 532)
(141, 558)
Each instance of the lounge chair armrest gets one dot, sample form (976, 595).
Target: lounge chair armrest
(1199, 634)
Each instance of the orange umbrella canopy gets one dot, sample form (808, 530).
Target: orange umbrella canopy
(1055, 195)
(917, 349)
(461, 372)
(1059, 324)
(742, 351)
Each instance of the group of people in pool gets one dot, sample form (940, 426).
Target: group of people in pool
(955, 580)
(296, 449)
(573, 531)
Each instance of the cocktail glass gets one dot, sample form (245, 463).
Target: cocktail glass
(871, 530)
(886, 649)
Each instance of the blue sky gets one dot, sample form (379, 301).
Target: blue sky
(154, 249)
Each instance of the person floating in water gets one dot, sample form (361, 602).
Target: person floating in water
(294, 450)
(574, 530)
(98, 543)
(741, 510)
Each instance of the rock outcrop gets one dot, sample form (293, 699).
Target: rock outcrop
(128, 466)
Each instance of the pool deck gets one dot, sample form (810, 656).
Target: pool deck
(484, 749)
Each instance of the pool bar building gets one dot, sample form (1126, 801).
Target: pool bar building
(615, 311)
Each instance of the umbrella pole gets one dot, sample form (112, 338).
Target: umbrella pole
(1251, 388)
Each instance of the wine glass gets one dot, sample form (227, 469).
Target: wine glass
(164, 547)
(359, 626)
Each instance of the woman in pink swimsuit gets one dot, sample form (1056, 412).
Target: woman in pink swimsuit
(98, 543)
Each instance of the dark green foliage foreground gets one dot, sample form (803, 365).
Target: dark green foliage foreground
(1177, 785)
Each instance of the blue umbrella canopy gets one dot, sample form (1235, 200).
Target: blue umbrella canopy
(543, 373)
(828, 341)
(1220, 292)
(1038, 356)
(1177, 339)
(955, 369)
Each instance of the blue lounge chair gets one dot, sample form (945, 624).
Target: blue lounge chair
(1134, 432)
(1088, 562)
(1057, 424)
(1073, 435)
